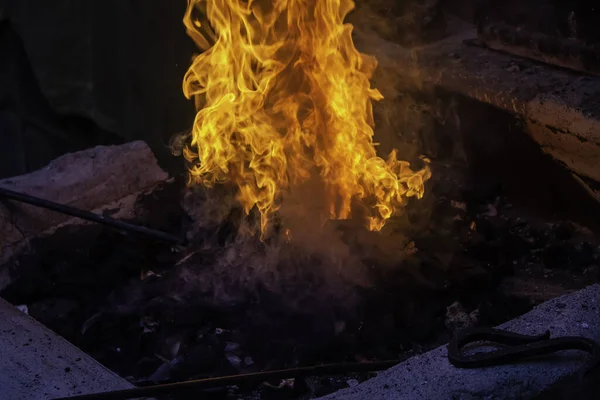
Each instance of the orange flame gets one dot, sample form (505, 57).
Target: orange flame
(283, 94)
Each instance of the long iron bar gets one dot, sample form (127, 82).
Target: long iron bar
(223, 381)
(89, 216)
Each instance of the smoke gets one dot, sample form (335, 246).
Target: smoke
(303, 257)
(409, 22)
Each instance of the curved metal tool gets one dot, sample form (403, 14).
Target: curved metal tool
(518, 347)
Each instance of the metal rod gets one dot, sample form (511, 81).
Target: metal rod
(222, 381)
(89, 216)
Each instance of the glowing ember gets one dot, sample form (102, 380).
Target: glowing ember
(283, 95)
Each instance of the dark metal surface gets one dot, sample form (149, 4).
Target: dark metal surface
(89, 216)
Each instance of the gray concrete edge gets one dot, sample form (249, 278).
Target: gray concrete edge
(36, 363)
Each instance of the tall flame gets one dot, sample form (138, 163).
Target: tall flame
(282, 95)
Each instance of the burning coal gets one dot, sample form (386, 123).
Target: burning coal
(284, 104)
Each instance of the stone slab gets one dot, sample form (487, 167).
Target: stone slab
(98, 178)
(561, 108)
(430, 375)
(35, 363)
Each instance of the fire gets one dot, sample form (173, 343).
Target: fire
(283, 95)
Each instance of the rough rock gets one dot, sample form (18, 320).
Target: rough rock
(104, 176)
(457, 318)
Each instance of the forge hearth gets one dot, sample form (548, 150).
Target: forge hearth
(305, 243)
(151, 312)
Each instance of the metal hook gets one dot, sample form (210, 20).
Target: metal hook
(518, 347)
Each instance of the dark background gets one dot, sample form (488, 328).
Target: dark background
(78, 73)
